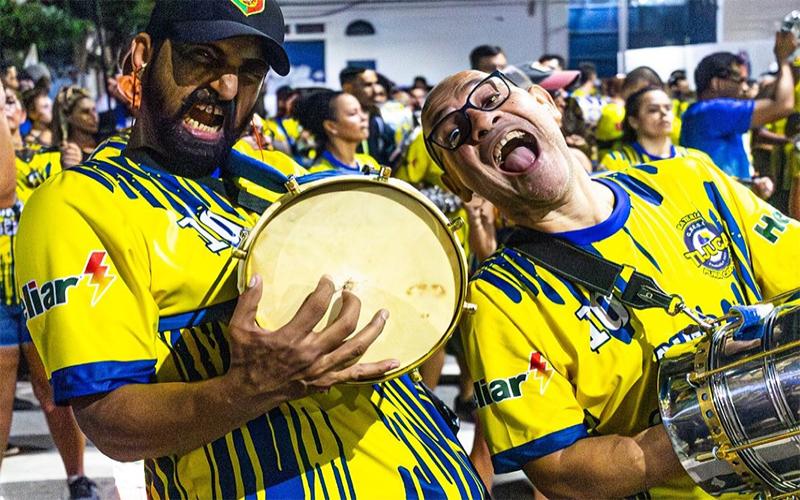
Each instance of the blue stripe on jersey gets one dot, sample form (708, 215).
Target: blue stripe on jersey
(273, 445)
(89, 172)
(642, 249)
(500, 283)
(152, 478)
(227, 476)
(637, 187)
(309, 474)
(619, 215)
(515, 458)
(500, 261)
(530, 268)
(100, 377)
(345, 468)
(246, 472)
(167, 466)
(644, 167)
(736, 236)
(194, 318)
(408, 484)
(212, 470)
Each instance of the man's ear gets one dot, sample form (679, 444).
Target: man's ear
(141, 51)
(544, 98)
(456, 187)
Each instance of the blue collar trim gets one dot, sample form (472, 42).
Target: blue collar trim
(639, 149)
(617, 219)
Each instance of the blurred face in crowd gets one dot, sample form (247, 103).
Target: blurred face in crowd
(351, 123)
(734, 83)
(364, 88)
(380, 94)
(15, 113)
(9, 77)
(514, 155)
(680, 88)
(84, 116)
(553, 64)
(198, 98)
(491, 63)
(655, 116)
(42, 112)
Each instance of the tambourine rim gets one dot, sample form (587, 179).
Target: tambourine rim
(286, 200)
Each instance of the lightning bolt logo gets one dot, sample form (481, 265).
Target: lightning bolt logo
(99, 277)
(540, 370)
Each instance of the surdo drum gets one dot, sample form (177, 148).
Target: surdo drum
(376, 237)
(732, 406)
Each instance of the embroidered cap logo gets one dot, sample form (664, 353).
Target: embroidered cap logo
(249, 7)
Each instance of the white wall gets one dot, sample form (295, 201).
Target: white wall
(753, 19)
(435, 39)
(666, 59)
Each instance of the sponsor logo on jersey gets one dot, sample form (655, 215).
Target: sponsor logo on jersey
(502, 389)
(249, 7)
(40, 298)
(708, 247)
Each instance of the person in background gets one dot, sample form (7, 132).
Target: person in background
(588, 94)
(39, 107)
(75, 123)
(339, 126)
(283, 127)
(32, 167)
(8, 75)
(363, 83)
(646, 131)
(554, 62)
(716, 122)
(785, 170)
(487, 58)
(609, 127)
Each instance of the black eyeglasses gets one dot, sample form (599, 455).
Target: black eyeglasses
(732, 77)
(455, 128)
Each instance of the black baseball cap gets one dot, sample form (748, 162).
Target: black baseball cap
(198, 21)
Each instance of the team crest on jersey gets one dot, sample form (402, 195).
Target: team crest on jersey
(249, 7)
(502, 389)
(40, 298)
(707, 247)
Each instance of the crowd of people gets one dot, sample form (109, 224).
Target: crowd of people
(213, 407)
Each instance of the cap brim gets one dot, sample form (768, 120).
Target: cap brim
(211, 31)
(558, 80)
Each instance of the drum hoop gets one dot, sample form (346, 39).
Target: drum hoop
(286, 200)
(710, 413)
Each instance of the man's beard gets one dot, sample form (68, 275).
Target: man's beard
(186, 155)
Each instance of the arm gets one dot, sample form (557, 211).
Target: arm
(8, 165)
(266, 369)
(482, 230)
(782, 102)
(607, 466)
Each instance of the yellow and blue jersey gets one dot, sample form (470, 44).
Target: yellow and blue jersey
(326, 161)
(283, 129)
(276, 159)
(34, 165)
(131, 287)
(630, 154)
(553, 364)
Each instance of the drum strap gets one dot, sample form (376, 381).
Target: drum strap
(592, 271)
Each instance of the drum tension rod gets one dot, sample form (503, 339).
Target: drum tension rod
(724, 451)
(695, 377)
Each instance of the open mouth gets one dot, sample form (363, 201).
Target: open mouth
(516, 152)
(204, 120)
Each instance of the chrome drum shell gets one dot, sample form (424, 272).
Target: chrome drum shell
(732, 408)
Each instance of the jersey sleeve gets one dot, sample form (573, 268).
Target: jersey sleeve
(525, 402)
(766, 242)
(83, 275)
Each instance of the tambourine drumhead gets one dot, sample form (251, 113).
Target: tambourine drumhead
(381, 240)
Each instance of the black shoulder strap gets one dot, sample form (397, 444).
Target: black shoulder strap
(595, 273)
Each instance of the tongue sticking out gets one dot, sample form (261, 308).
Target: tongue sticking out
(518, 160)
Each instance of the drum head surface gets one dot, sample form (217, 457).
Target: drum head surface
(377, 241)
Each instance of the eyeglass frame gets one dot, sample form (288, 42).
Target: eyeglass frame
(429, 142)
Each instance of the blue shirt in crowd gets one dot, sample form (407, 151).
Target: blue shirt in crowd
(715, 126)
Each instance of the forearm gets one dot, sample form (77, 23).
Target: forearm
(607, 466)
(784, 88)
(152, 420)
